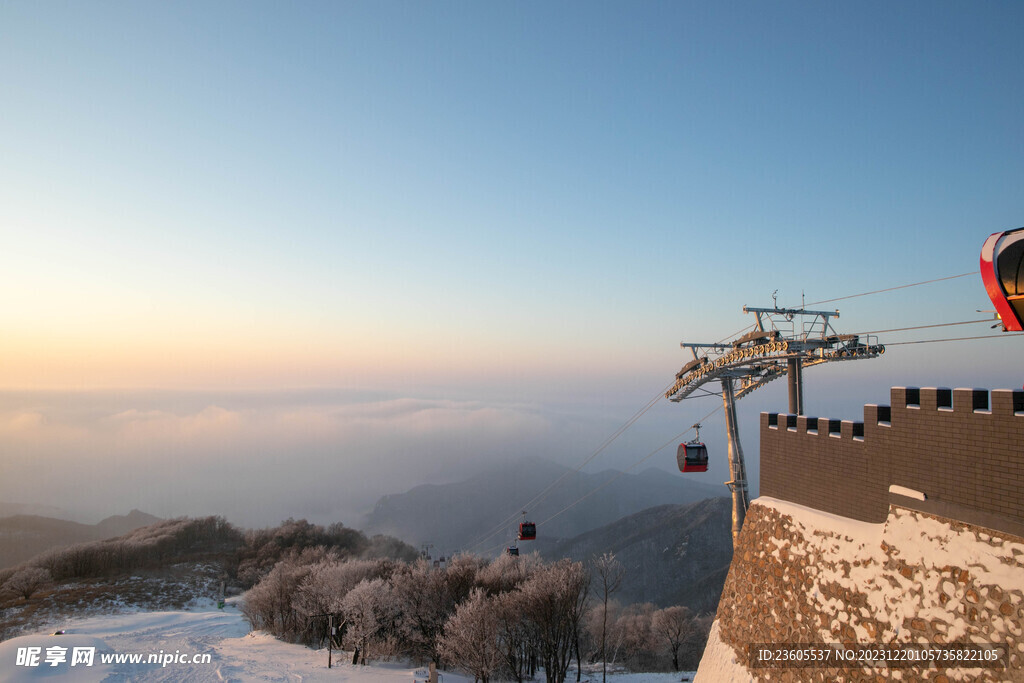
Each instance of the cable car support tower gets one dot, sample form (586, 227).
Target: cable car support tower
(785, 341)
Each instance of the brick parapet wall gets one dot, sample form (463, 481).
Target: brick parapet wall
(964, 447)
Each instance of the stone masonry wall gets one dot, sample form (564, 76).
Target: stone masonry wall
(803, 576)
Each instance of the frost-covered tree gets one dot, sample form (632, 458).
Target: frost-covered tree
(170, 540)
(263, 548)
(320, 594)
(269, 605)
(427, 596)
(608, 574)
(371, 614)
(555, 601)
(26, 581)
(517, 635)
(419, 591)
(330, 580)
(673, 626)
(470, 637)
(460, 578)
(507, 572)
(535, 612)
(635, 642)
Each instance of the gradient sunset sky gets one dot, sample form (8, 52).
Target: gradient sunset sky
(292, 245)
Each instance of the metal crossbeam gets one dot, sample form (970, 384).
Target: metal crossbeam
(752, 360)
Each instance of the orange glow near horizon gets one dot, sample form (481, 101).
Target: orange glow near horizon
(244, 360)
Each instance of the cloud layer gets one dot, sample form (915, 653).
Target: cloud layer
(254, 458)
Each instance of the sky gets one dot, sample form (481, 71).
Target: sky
(277, 259)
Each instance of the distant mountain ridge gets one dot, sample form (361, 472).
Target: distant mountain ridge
(25, 536)
(671, 554)
(480, 513)
(12, 509)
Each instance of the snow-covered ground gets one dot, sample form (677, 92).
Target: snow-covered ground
(235, 654)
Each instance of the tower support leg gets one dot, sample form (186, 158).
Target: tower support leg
(737, 469)
(796, 386)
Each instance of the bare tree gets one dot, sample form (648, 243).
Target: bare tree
(517, 635)
(555, 601)
(470, 638)
(693, 648)
(634, 639)
(673, 625)
(25, 582)
(609, 578)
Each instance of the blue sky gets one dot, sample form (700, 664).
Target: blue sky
(526, 204)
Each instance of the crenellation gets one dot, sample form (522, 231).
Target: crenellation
(960, 446)
(821, 427)
(848, 431)
(969, 400)
(898, 397)
(1008, 402)
(936, 398)
(878, 415)
(963, 400)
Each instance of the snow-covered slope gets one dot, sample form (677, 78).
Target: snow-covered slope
(235, 654)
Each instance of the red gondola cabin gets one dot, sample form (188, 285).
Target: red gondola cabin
(512, 550)
(692, 457)
(527, 531)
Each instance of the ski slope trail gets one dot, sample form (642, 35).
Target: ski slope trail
(202, 644)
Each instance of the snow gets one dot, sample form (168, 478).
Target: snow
(236, 654)
(630, 678)
(909, 493)
(920, 541)
(925, 540)
(719, 664)
(815, 520)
